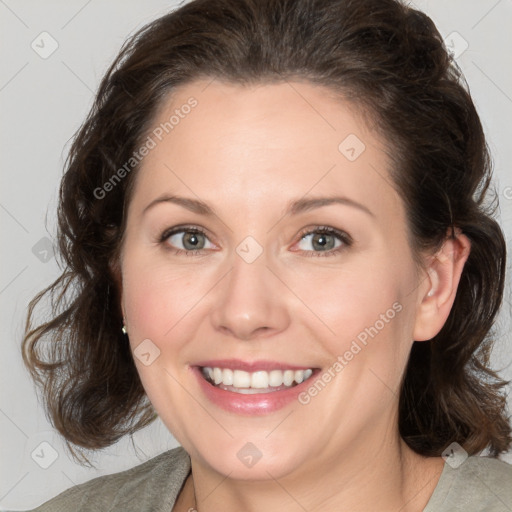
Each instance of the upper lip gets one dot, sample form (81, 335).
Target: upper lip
(251, 366)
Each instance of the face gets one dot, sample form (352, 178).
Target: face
(264, 242)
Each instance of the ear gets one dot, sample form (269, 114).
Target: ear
(438, 290)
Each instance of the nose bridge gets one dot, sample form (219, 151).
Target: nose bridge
(247, 303)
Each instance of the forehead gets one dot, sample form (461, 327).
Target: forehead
(226, 142)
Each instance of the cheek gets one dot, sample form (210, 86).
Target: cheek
(348, 302)
(367, 321)
(154, 299)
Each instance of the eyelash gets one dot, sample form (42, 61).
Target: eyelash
(341, 235)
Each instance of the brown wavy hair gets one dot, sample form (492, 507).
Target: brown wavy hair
(389, 61)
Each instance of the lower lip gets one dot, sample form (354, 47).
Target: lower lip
(254, 404)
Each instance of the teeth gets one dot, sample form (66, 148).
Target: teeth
(247, 382)
(288, 377)
(241, 379)
(259, 380)
(217, 375)
(275, 378)
(227, 377)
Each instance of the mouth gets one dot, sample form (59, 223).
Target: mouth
(252, 388)
(257, 382)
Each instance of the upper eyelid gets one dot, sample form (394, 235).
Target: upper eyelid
(178, 229)
(326, 229)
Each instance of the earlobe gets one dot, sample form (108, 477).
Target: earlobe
(437, 294)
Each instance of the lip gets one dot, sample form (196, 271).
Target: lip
(254, 404)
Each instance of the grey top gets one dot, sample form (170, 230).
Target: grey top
(479, 484)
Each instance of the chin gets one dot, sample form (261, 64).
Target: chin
(243, 459)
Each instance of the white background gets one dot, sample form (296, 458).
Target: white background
(42, 104)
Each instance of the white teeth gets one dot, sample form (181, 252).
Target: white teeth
(227, 377)
(241, 379)
(249, 383)
(217, 375)
(289, 375)
(275, 378)
(259, 380)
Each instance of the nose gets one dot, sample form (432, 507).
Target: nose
(250, 302)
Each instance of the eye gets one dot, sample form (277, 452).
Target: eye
(324, 240)
(186, 239)
(191, 240)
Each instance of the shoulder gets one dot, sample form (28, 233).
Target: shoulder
(153, 485)
(478, 484)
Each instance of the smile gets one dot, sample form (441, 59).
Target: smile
(240, 381)
(252, 388)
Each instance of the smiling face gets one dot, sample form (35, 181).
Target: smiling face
(234, 259)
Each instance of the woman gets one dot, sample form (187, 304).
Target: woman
(276, 239)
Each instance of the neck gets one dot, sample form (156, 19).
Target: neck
(384, 475)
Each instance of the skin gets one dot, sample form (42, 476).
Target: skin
(248, 152)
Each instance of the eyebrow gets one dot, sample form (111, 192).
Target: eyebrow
(304, 205)
(294, 207)
(193, 205)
